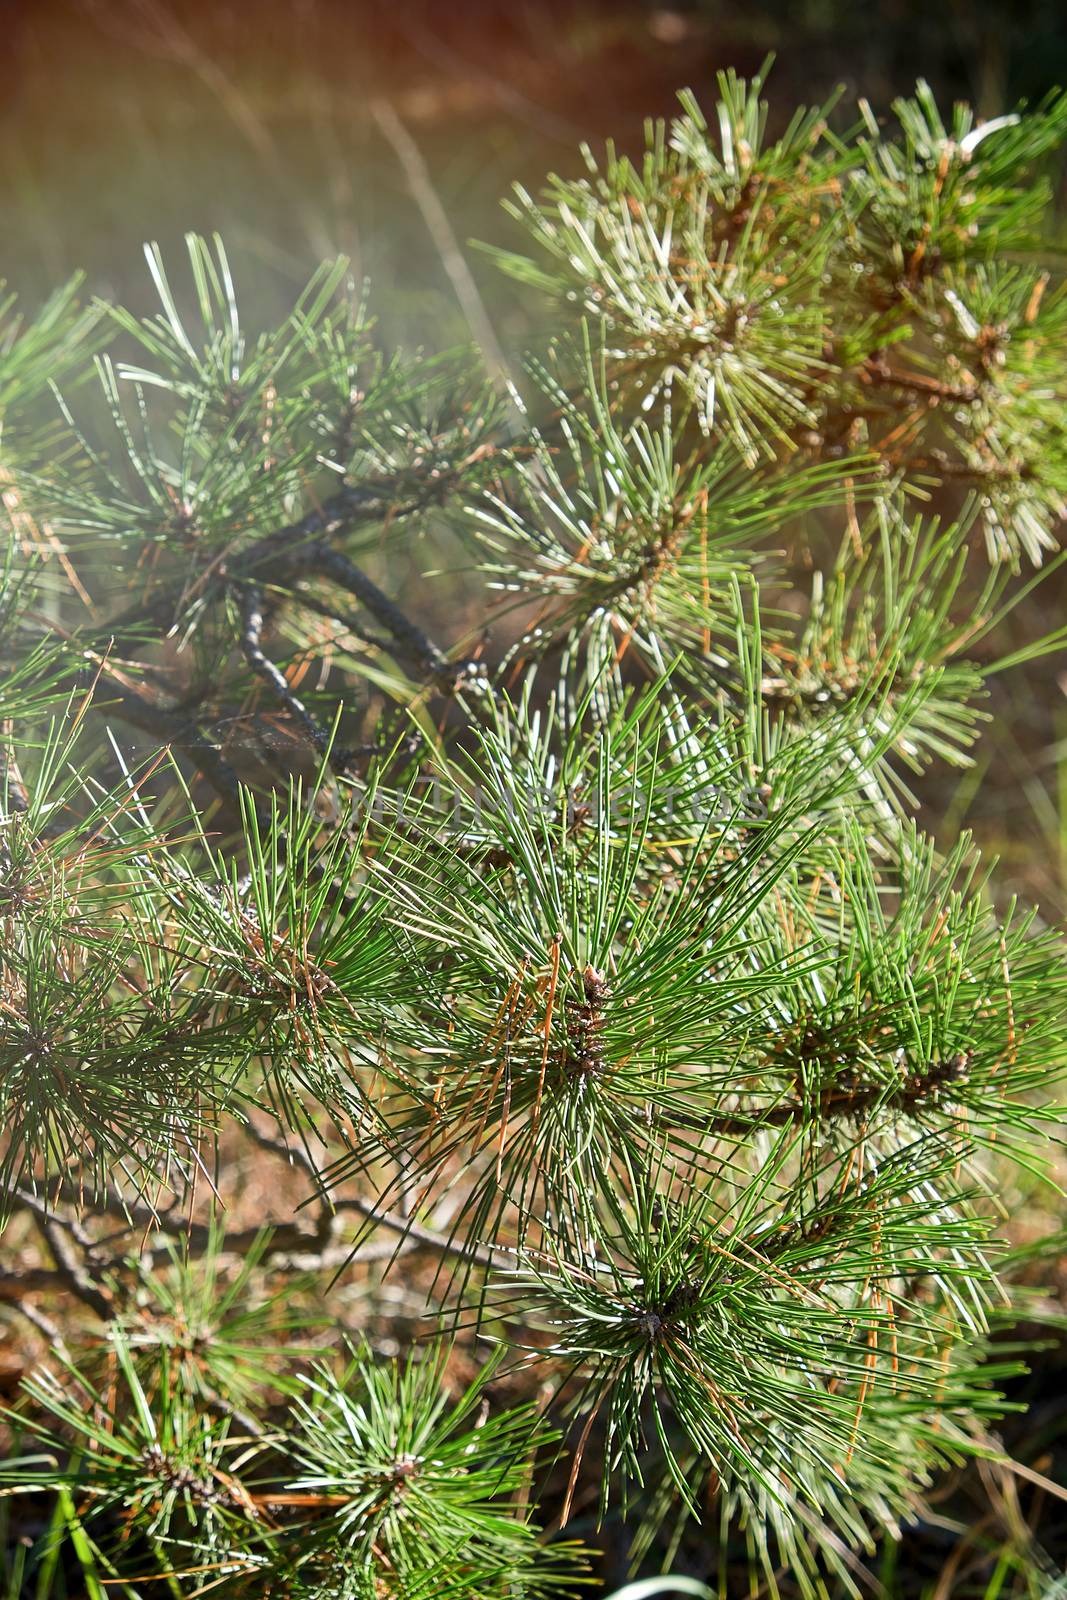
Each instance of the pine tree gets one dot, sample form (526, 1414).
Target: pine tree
(543, 1080)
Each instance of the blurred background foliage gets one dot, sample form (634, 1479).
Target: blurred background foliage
(122, 120)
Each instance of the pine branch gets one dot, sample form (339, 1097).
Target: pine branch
(77, 1271)
(252, 646)
(411, 646)
(172, 728)
(406, 1227)
(692, 1065)
(922, 1090)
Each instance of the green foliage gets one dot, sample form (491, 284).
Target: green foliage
(374, 1480)
(587, 985)
(832, 290)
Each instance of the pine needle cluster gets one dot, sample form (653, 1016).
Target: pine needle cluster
(584, 984)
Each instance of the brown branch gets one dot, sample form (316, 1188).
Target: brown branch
(198, 1236)
(411, 646)
(17, 1282)
(298, 550)
(82, 1279)
(176, 729)
(993, 472)
(293, 550)
(932, 389)
(44, 1325)
(841, 1099)
(292, 1247)
(405, 1227)
(344, 619)
(253, 621)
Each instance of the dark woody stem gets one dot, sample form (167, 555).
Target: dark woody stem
(838, 1100)
(252, 623)
(300, 550)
